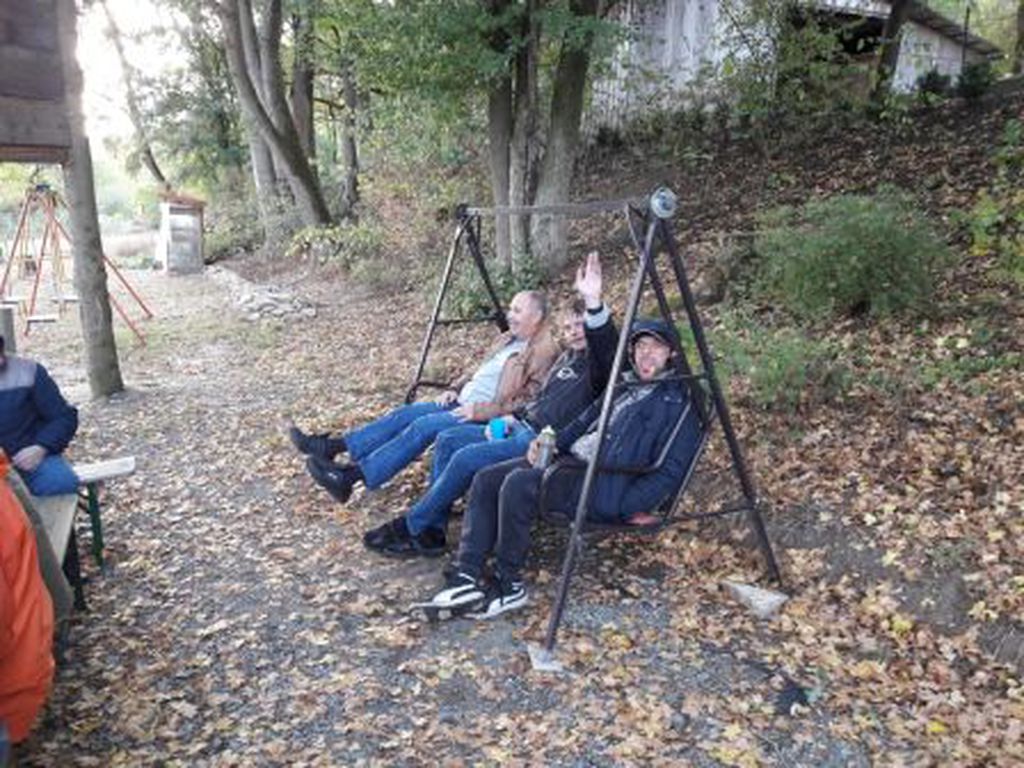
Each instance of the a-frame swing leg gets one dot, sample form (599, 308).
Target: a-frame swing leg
(467, 229)
(720, 405)
(473, 242)
(656, 227)
(19, 233)
(576, 531)
(113, 268)
(38, 277)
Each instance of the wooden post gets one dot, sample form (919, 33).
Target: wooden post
(7, 330)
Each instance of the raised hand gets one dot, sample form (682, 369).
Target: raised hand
(588, 281)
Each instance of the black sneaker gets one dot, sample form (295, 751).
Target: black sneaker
(392, 530)
(336, 479)
(321, 444)
(503, 595)
(430, 542)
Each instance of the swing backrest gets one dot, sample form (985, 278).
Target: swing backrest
(653, 520)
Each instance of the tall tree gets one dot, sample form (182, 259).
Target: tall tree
(303, 69)
(90, 275)
(499, 127)
(143, 146)
(521, 175)
(268, 187)
(1018, 50)
(266, 104)
(889, 55)
(349, 144)
(547, 233)
(522, 151)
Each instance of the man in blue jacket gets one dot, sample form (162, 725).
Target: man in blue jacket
(36, 425)
(503, 499)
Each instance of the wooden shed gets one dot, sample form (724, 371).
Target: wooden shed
(33, 117)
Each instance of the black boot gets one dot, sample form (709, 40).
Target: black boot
(336, 479)
(321, 444)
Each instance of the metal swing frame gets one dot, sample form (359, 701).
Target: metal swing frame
(652, 216)
(659, 231)
(467, 234)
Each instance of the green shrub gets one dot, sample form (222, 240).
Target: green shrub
(995, 223)
(849, 254)
(934, 83)
(975, 80)
(347, 244)
(784, 367)
(468, 296)
(231, 226)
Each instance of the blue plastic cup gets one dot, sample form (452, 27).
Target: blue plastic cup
(497, 428)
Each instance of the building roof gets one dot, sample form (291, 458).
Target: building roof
(929, 17)
(919, 14)
(180, 198)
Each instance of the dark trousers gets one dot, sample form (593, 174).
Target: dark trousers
(501, 512)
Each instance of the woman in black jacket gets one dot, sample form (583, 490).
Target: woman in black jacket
(503, 499)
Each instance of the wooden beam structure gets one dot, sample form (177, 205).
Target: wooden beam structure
(33, 117)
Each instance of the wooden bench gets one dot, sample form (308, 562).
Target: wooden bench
(90, 477)
(54, 520)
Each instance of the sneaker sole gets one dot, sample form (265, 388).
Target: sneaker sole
(438, 613)
(407, 554)
(488, 614)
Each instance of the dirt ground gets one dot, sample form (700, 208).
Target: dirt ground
(241, 622)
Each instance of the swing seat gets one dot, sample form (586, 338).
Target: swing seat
(640, 523)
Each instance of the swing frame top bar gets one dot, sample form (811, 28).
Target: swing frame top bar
(564, 210)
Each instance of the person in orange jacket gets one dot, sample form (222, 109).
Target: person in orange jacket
(26, 618)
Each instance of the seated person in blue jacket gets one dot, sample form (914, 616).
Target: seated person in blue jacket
(577, 377)
(510, 376)
(36, 425)
(503, 498)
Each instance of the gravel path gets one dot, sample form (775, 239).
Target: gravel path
(242, 623)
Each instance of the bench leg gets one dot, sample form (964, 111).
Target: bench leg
(73, 570)
(93, 496)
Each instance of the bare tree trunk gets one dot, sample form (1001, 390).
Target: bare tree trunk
(142, 142)
(264, 172)
(522, 165)
(90, 276)
(499, 135)
(892, 38)
(302, 76)
(349, 153)
(1018, 49)
(271, 115)
(548, 234)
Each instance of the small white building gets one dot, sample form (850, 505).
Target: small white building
(179, 247)
(671, 42)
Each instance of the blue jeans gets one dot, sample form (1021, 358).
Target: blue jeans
(52, 477)
(459, 454)
(385, 446)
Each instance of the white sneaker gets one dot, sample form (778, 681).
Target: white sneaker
(502, 596)
(461, 591)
